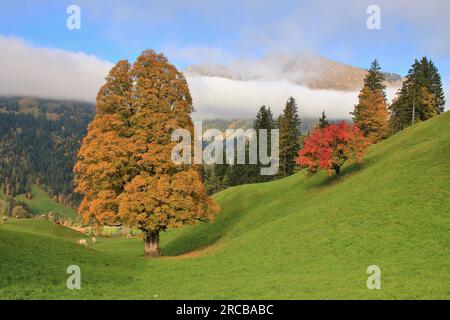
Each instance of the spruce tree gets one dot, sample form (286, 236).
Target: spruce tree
(427, 75)
(323, 122)
(264, 121)
(375, 78)
(289, 126)
(421, 96)
(371, 114)
(436, 88)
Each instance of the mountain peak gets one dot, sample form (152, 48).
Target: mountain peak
(312, 71)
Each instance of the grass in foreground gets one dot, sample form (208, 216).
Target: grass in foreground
(295, 238)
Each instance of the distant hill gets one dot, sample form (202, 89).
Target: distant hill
(312, 71)
(42, 204)
(223, 124)
(39, 139)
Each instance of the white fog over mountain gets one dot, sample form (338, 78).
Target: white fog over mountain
(229, 91)
(28, 70)
(216, 97)
(317, 83)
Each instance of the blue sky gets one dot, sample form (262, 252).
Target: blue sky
(114, 30)
(211, 31)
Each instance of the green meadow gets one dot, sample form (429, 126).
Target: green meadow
(296, 238)
(41, 203)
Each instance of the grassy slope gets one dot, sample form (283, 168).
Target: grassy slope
(294, 238)
(43, 204)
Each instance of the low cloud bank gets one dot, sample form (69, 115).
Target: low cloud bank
(50, 73)
(216, 97)
(60, 74)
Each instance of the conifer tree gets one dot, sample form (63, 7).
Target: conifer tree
(436, 88)
(427, 75)
(375, 78)
(420, 98)
(264, 121)
(323, 122)
(371, 114)
(289, 126)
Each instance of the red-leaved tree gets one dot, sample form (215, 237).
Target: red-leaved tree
(328, 148)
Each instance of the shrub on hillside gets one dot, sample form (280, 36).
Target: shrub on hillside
(19, 212)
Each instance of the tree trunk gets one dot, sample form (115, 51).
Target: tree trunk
(338, 172)
(151, 245)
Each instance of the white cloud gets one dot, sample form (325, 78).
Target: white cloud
(60, 74)
(216, 97)
(447, 97)
(48, 72)
(196, 54)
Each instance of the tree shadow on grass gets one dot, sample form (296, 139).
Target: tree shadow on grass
(347, 171)
(201, 235)
(236, 203)
(192, 238)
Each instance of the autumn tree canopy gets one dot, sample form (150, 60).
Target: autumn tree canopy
(371, 113)
(125, 172)
(330, 147)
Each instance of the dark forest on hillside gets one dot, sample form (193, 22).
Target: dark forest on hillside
(39, 140)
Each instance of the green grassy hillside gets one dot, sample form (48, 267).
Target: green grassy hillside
(43, 204)
(295, 238)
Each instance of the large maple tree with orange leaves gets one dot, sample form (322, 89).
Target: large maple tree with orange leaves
(125, 172)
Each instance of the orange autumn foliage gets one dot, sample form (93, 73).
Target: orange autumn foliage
(371, 114)
(125, 170)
